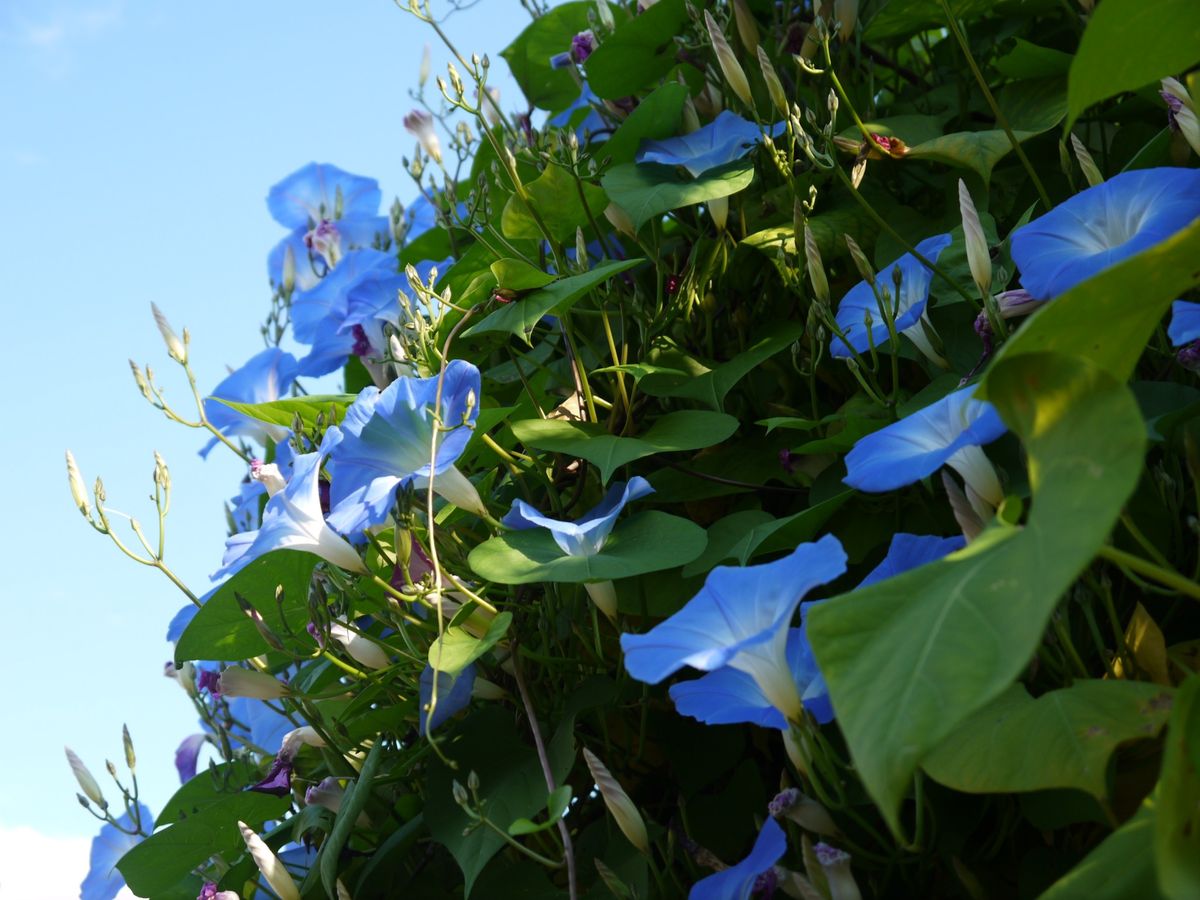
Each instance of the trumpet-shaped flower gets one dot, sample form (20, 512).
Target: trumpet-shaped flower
(740, 619)
(910, 551)
(1103, 226)
(187, 756)
(908, 303)
(454, 693)
(948, 432)
(294, 520)
(590, 123)
(264, 378)
(385, 442)
(587, 534)
(104, 881)
(1185, 323)
(740, 881)
(724, 139)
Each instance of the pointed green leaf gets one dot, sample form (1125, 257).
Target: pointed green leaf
(1063, 739)
(646, 190)
(1177, 825)
(641, 50)
(646, 542)
(521, 315)
(1120, 868)
(458, 648)
(687, 429)
(284, 412)
(657, 116)
(529, 55)
(908, 659)
(555, 196)
(518, 275)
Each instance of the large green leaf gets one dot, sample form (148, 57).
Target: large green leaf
(902, 18)
(1063, 739)
(657, 116)
(529, 55)
(521, 315)
(458, 648)
(206, 789)
(283, 412)
(222, 631)
(646, 542)
(1129, 44)
(711, 387)
(641, 50)
(1109, 318)
(518, 275)
(1177, 826)
(909, 658)
(688, 429)
(1120, 868)
(169, 855)
(646, 190)
(555, 194)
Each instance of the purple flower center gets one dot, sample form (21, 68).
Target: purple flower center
(362, 344)
(209, 681)
(784, 800)
(208, 892)
(1189, 356)
(766, 884)
(316, 634)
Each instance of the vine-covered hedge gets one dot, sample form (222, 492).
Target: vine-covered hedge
(767, 465)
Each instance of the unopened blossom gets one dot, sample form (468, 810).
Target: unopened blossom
(419, 124)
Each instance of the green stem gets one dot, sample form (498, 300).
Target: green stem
(1174, 580)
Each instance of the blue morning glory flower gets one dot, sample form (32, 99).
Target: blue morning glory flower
(948, 432)
(861, 302)
(293, 519)
(385, 441)
(741, 619)
(910, 551)
(324, 306)
(1103, 226)
(266, 377)
(739, 882)
(374, 302)
(454, 693)
(729, 696)
(591, 123)
(104, 881)
(316, 249)
(313, 192)
(1185, 323)
(187, 755)
(587, 534)
(724, 139)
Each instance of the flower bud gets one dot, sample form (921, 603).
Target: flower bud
(140, 379)
(619, 219)
(860, 259)
(730, 67)
(276, 875)
(978, 257)
(175, 347)
(718, 208)
(86, 782)
(426, 66)
(746, 26)
(1181, 111)
(359, 648)
(130, 756)
(238, 682)
(774, 85)
(419, 124)
(967, 518)
(816, 268)
(78, 491)
(604, 14)
(845, 13)
(804, 811)
(1086, 163)
(623, 810)
(459, 793)
(836, 865)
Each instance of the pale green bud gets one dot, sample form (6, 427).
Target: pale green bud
(746, 26)
(774, 85)
(816, 268)
(730, 67)
(78, 491)
(978, 257)
(1086, 163)
(86, 782)
(175, 348)
(622, 808)
(273, 870)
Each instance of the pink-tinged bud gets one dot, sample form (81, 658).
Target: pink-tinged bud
(210, 892)
(87, 783)
(978, 257)
(583, 45)
(1019, 302)
(730, 67)
(328, 793)
(268, 863)
(1181, 111)
(238, 682)
(419, 124)
(836, 865)
(623, 810)
(362, 650)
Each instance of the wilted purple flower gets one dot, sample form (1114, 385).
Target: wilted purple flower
(583, 45)
(278, 780)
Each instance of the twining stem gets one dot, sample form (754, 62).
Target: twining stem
(1155, 572)
(1001, 119)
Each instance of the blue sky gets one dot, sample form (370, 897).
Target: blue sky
(139, 142)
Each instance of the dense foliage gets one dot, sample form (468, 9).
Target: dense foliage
(865, 313)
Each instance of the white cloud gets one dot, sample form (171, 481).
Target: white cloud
(35, 866)
(68, 23)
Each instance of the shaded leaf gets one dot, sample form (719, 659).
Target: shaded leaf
(555, 194)
(529, 55)
(642, 49)
(1177, 824)
(646, 190)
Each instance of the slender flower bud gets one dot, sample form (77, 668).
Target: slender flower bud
(730, 67)
(175, 348)
(359, 648)
(604, 14)
(978, 257)
(238, 682)
(419, 124)
(718, 208)
(142, 384)
(845, 13)
(459, 793)
(746, 26)
(816, 268)
(426, 66)
(455, 80)
(967, 518)
(1181, 111)
(623, 810)
(130, 756)
(78, 491)
(774, 86)
(836, 865)
(86, 782)
(1090, 171)
(619, 219)
(276, 875)
(860, 259)
(690, 120)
